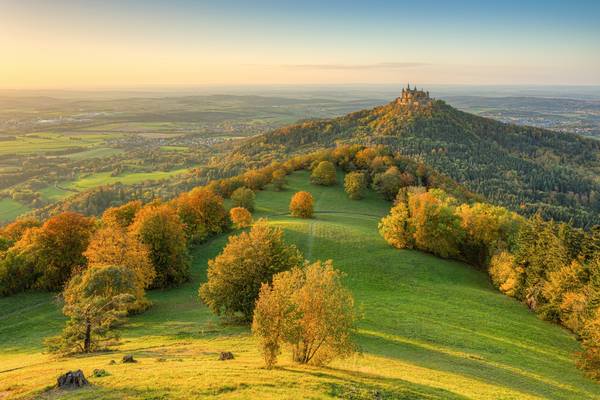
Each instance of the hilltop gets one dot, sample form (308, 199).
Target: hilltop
(524, 168)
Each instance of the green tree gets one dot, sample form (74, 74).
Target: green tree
(308, 309)
(279, 179)
(161, 230)
(324, 174)
(243, 197)
(388, 183)
(355, 184)
(95, 301)
(248, 260)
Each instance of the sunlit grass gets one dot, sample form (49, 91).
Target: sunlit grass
(431, 329)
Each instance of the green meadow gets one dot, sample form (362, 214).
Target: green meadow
(430, 329)
(11, 209)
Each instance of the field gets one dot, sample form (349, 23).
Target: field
(10, 209)
(431, 329)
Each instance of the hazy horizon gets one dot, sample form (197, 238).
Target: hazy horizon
(83, 45)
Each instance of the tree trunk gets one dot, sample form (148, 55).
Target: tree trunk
(88, 336)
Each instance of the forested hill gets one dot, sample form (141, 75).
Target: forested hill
(525, 168)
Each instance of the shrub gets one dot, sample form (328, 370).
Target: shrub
(255, 180)
(388, 183)
(248, 260)
(309, 310)
(301, 205)
(243, 197)
(355, 184)
(324, 174)
(240, 217)
(159, 228)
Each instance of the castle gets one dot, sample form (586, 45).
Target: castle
(414, 97)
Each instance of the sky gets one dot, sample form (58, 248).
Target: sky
(126, 43)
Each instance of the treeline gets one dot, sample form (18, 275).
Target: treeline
(552, 267)
(526, 169)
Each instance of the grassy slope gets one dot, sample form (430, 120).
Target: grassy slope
(11, 209)
(432, 329)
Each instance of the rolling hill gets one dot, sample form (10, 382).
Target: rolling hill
(431, 329)
(527, 169)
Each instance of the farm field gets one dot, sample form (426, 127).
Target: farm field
(10, 209)
(431, 329)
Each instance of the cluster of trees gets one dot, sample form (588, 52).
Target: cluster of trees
(552, 267)
(260, 278)
(526, 169)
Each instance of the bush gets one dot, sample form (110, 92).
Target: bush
(324, 174)
(395, 228)
(243, 197)
(301, 205)
(240, 217)
(309, 310)
(505, 274)
(248, 260)
(355, 184)
(159, 228)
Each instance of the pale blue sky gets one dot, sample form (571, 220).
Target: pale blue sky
(123, 43)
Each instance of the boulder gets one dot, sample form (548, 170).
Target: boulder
(225, 355)
(72, 380)
(128, 359)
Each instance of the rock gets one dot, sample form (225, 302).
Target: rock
(72, 380)
(225, 355)
(99, 373)
(112, 362)
(129, 359)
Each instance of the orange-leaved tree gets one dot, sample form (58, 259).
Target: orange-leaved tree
(302, 205)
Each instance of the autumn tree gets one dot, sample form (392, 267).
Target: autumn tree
(248, 260)
(308, 309)
(255, 179)
(388, 183)
(590, 357)
(243, 197)
(396, 229)
(115, 246)
(506, 275)
(160, 229)
(202, 212)
(56, 248)
(121, 216)
(355, 185)
(301, 205)
(95, 301)
(14, 231)
(279, 179)
(324, 174)
(240, 217)
(436, 227)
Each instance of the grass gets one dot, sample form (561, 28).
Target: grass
(431, 329)
(11, 209)
(49, 142)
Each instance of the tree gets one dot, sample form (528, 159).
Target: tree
(14, 231)
(248, 260)
(95, 301)
(202, 212)
(436, 227)
(121, 216)
(324, 174)
(159, 228)
(388, 183)
(56, 248)
(240, 217)
(243, 197)
(279, 179)
(301, 205)
(310, 310)
(355, 184)
(114, 246)
(395, 228)
(590, 357)
(505, 274)
(255, 180)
